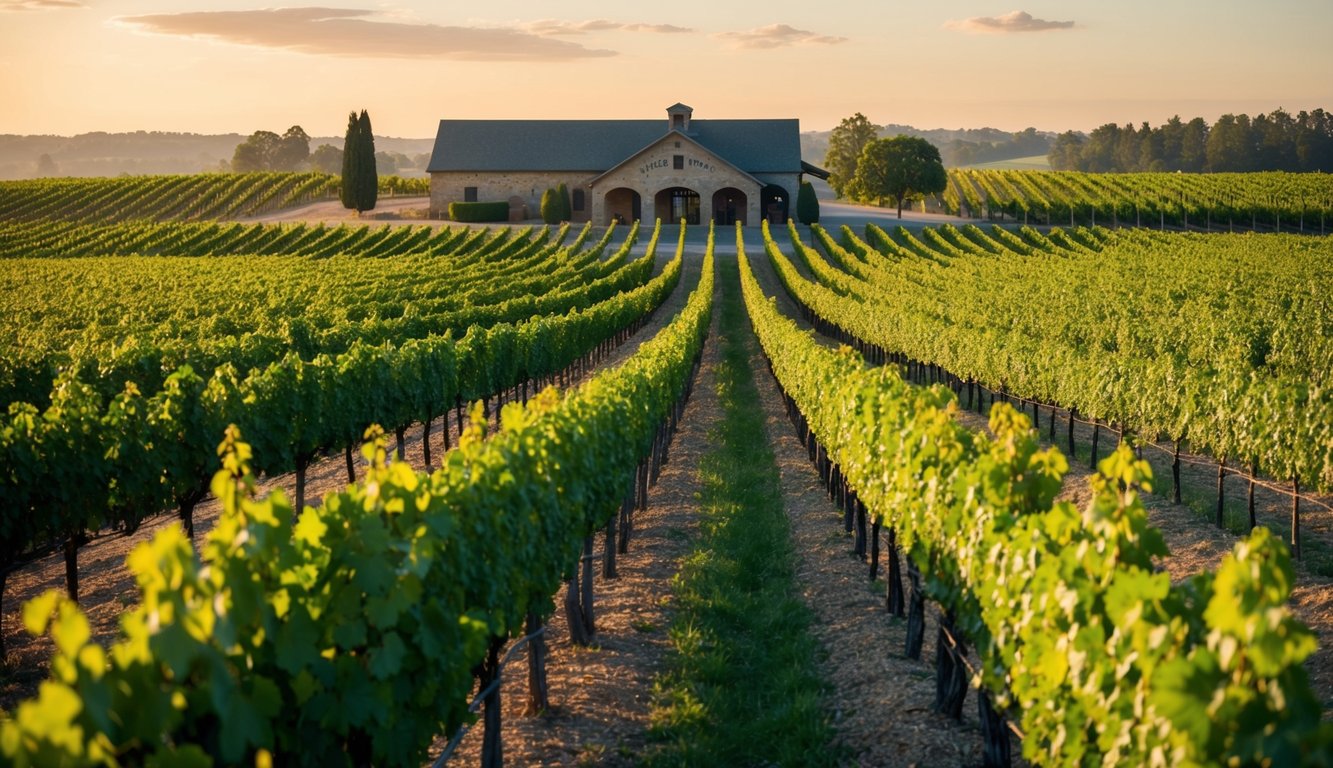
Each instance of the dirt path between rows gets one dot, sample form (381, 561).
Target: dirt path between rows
(602, 695)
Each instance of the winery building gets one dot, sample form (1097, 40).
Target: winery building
(679, 168)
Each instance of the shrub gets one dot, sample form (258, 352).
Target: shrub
(479, 212)
(566, 205)
(807, 205)
(550, 208)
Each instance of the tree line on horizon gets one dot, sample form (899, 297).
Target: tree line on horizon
(1277, 141)
(267, 151)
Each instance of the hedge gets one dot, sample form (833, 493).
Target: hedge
(477, 212)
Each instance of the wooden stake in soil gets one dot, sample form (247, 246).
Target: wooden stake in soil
(950, 672)
(1254, 470)
(874, 551)
(1073, 416)
(573, 614)
(72, 566)
(492, 750)
(589, 624)
(351, 468)
(1093, 463)
(894, 598)
(916, 613)
(860, 527)
(539, 693)
(994, 734)
(1221, 480)
(425, 444)
(1175, 473)
(1296, 517)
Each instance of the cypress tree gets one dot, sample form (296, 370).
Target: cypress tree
(550, 206)
(367, 179)
(566, 207)
(351, 168)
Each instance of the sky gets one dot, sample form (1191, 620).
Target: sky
(223, 66)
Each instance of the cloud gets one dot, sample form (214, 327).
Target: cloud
(777, 36)
(38, 5)
(558, 27)
(345, 32)
(1014, 21)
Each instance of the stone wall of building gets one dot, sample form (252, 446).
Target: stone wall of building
(654, 170)
(450, 186)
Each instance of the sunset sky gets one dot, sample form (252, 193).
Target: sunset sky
(215, 66)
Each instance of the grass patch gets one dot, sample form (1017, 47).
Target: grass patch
(741, 689)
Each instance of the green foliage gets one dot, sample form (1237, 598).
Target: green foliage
(807, 205)
(566, 205)
(367, 178)
(351, 164)
(267, 151)
(1096, 654)
(846, 143)
(551, 208)
(900, 168)
(1185, 336)
(1278, 141)
(479, 212)
(71, 201)
(1217, 201)
(97, 459)
(348, 634)
(327, 159)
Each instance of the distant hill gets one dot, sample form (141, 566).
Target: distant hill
(142, 152)
(958, 147)
(1034, 163)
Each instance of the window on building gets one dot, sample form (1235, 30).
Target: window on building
(678, 122)
(678, 145)
(469, 194)
(678, 162)
(577, 204)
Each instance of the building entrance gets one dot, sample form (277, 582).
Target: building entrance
(676, 204)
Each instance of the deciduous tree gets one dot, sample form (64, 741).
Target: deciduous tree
(901, 168)
(291, 152)
(327, 158)
(844, 150)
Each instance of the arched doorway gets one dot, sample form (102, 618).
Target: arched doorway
(623, 204)
(729, 205)
(676, 203)
(773, 204)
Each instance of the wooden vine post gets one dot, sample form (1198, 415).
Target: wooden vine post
(1296, 517)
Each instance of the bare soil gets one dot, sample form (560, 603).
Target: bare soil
(602, 695)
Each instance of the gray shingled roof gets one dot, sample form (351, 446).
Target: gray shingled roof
(755, 146)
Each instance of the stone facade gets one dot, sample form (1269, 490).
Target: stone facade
(654, 171)
(450, 187)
